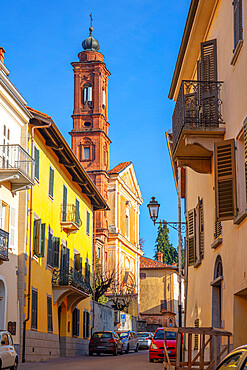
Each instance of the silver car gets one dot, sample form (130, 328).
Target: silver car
(145, 339)
(130, 340)
(8, 356)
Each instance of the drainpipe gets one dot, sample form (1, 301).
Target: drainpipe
(30, 251)
(94, 238)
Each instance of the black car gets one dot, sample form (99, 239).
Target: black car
(105, 342)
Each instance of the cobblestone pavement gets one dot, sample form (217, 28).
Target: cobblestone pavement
(130, 361)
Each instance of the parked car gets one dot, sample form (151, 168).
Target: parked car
(105, 342)
(130, 340)
(156, 349)
(145, 339)
(236, 359)
(8, 355)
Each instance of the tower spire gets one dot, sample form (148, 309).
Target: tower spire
(91, 43)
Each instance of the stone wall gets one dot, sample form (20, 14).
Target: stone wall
(104, 317)
(41, 346)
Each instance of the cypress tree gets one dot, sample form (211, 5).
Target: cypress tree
(170, 254)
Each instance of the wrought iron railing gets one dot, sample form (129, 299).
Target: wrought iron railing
(13, 156)
(4, 245)
(198, 106)
(71, 277)
(70, 213)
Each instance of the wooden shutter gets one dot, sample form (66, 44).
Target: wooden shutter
(36, 160)
(245, 158)
(88, 223)
(49, 314)
(77, 261)
(88, 323)
(36, 237)
(77, 211)
(209, 60)
(64, 211)
(84, 324)
(237, 21)
(80, 270)
(55, 250)
(217, 228)
(225, 180)
(51, 182)
(34, 315)
(42, 244)
(191, 237)
(201, 228)
(49, 249)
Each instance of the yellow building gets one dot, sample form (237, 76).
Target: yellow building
(209, 139)
(123, 249)
(58, 256)
(160, 308)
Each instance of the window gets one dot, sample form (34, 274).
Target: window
(163, 305)
(86, 323)
(88, 223)
(196, 335)
(51, 182)
(103, 99)
(87, 152)
(49, 248)
(36, 163)
(5, 154)
(49, 314)
(143, 275)
(87, 271)
(34, 315)
(76, 322)
(237, 22)
(77, 262)
(5, 339)
(99, 253)
(4, 216)
(87, 94)
(195, 222)
(39, 238)
(127, 226)
(53, 248)
(231, 362)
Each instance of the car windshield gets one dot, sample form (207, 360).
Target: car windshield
(160, 335)
(123, 335)
(142, 335)
(102, 335)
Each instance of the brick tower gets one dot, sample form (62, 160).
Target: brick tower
(90, 141)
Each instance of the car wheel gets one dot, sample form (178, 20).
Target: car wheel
(98, 353)
(151, 359)
(121, 352)
(115, 352)
(15, 365)
(127, 349)
(137, 348)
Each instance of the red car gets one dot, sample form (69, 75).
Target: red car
(156, 349)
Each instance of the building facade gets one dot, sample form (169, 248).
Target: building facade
(209, 140)
(16, 175)
(91, 144)
(159, 309)
(55, 284)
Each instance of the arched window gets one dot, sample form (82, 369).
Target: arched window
(87, 94)
(103, 99)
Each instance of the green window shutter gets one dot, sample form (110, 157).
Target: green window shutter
(237, 21)
(55, 250)
(84, 324)
(34, 313)
(36, 160)
(225, 180)
(36, 237)
(49, 249)
(88, 223)
(76, 322)
(77, 211)
(87, 324)
(51, 182)
(64, 214)
(80, 265)
(42, 246)
(191, 237)
(49, 314)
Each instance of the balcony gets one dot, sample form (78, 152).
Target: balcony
(197, 124)
(4, 245)
(70, 219)
(70, 284)
(16, 166)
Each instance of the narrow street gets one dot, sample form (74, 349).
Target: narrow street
(128, 361)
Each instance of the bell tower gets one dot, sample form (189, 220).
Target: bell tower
(90, 141)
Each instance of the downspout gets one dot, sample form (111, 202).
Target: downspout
(30, 251)
(94, 238)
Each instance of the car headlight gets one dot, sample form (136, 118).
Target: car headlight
(153, 346)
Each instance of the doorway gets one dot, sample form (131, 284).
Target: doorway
(2, 305)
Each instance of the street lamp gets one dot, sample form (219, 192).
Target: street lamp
(153, 208)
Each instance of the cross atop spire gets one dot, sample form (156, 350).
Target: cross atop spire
(91, 17)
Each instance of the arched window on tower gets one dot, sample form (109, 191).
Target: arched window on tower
(103, 99)
(87, 94)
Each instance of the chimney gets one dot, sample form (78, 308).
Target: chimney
(2, 52)
(160, 256)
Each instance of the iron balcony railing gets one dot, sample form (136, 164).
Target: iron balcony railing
(13, 156)
(198, 106)
(71, 277)
(70, 213)
(4, 245)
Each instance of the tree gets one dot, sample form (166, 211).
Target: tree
(141, 243)
(104, 280)
(163, 245)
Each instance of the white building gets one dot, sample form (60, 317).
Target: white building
(16, 175)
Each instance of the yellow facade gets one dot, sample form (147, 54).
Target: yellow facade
(55, 278)
(217, 282)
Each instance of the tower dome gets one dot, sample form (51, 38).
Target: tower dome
(91, 43)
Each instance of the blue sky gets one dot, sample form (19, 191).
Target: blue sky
(140, 40)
